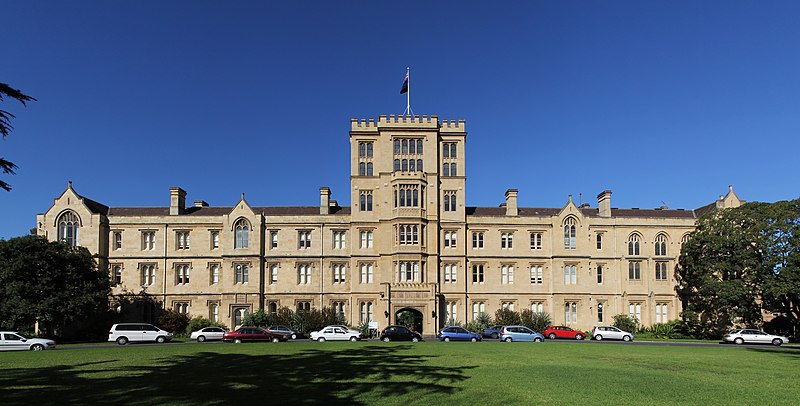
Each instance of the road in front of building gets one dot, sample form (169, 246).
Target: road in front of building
(790, 347)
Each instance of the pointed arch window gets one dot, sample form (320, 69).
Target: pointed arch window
(661, 245)
(68, 225)
(633, 244)
(570, 241)
(241, 234)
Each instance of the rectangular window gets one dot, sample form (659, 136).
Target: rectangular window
(506, 240)
(635, 270)
(452, 312)
(241, 273)
(339, 240)
(303, 240)
(599, 274)
(570, 274)
(338, 273)
(273, 238)
(407, 271)
(661, 313)
(117, 271)
(536, 274)
(507, 274)
(366, 239)
(570, 312)
(303, 306)
(117, 240)
(182, 274)
(477, 273)
(213, 312)
(366, 273)
(214, 240)
(661, 271)
(477, 240)
(273, 274)
(304, 274)
(478, 308)
(148, 240)
(507, 306)
(450, 239)
(599, 241)
(182, 238)
(536, 241)
(635, 311)
(537, 307)
(213, 276)
(600, 307)
(450, 272)
(366, 312)
(365, 200)
(148, 275)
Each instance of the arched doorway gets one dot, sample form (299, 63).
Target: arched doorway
(409, 317)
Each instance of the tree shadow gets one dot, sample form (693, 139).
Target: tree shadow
(792, 352)
(311, 376)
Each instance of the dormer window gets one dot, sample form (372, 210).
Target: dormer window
(68, 225)
(241, 234)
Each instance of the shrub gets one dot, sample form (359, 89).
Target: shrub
(406, 318)
(259, 318)
(483, 320)
(624, 322)
(196, 323)
(283, 317)
(538, 321)
(507, 317)
(313, 320)
(173, 322)
(452, 322)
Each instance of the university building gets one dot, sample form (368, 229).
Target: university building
(409, 242)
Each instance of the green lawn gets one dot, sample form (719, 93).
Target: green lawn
(385, 374)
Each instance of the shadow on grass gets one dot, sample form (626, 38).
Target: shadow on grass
(311, 376)
(792, 352)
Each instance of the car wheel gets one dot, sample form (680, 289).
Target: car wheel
(386, 339)
(508, 339)
(579, 336)
(122, 340)
(598, 337)
(200, 339)
(777, 342)
(626, 338)
(415, 339)
(39, 347)
(738, 341)
(237, 340)
(537, 340)
(494, 335)
(551, 336)
(275, 340)
(447, 339)
(294, 336)
(474, 340)
(160, 339)
(354, 339)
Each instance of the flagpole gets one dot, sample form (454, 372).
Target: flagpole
(408, 94)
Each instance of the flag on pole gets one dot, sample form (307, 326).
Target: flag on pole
(404, 88)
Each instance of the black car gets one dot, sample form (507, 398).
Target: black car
(400, 333)
(285, 330)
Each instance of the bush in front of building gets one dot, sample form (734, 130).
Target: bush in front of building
(198, 322)
(174, 322)
(259, 318)
(314, 320)
(507, 317)
(626, 323)
(536, 321)
(482, 321)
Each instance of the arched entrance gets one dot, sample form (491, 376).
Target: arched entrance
(409, 317)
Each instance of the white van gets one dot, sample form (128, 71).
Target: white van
(123, 333)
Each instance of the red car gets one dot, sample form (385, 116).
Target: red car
(253, 334)
(554, 332)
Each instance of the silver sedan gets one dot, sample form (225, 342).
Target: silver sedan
(741, 336)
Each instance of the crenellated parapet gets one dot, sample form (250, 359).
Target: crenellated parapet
(407, 122)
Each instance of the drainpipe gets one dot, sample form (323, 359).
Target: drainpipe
(164, 281)
(321, 266)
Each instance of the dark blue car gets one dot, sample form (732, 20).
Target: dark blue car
(492, 332)
(455, 333)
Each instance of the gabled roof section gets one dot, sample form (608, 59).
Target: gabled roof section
(587, 212)
(223, 210)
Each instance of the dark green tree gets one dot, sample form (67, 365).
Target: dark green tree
(721, 268)
(507, 317)
(781, 270)
(48, 282)
(5, 126)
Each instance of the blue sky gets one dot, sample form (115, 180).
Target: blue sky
(658, 101)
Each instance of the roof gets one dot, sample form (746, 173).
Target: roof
(588, 212)
(702, 211)
(222, 210)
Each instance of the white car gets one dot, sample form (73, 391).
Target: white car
(13, 341)
(741, 336)
(123, 333)
(613, 333)
(208, 333)
(334, 333)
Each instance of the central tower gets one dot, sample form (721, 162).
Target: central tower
(407, 183)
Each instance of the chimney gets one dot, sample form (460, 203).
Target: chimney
(511, 202)
(200, 203)
(177, 201)
(324, 200)
(604, 203)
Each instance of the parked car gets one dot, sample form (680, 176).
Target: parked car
(491, 332)
(335, 333)
(13, 341)
(455, 333)
(399, 333)
(612, 333)
(553, 332)
(741, 336)
(253, 334)
(123, 333)
(286, 330)
(351, 330)
(519, 333)
(208, 333)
